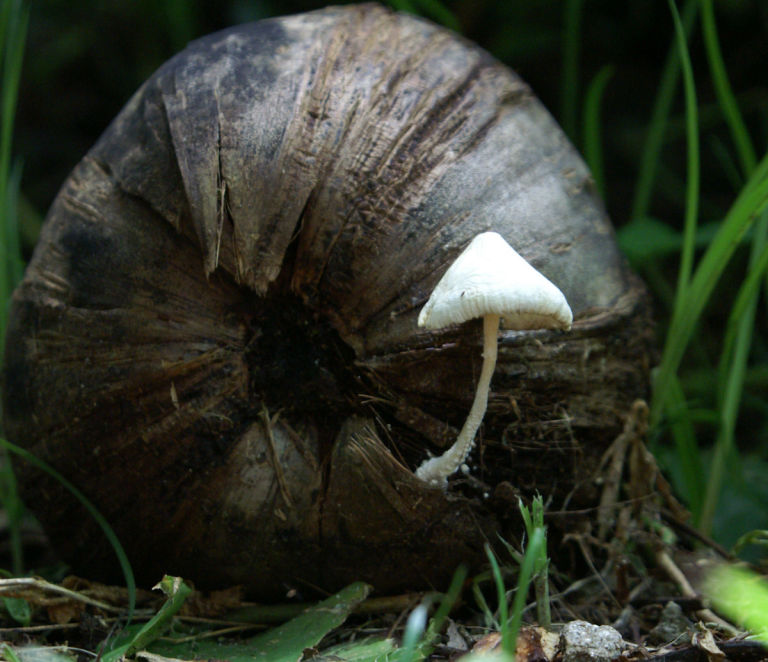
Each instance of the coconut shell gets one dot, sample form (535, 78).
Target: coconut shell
(216, 337)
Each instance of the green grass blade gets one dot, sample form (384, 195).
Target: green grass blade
(449, 599)
(649, 160)
(181, 22)
(19, 610)
(689, 461)
(693, 165)
(9, 654)
(569, 91)
(404, 6)
(691, 212)
(122, 558)
(593, 144)
(13, 236)
(756, 537)
(732, 371)
(532, 552)
(742, 596)
(414, 631)
(176, 591)
(744, 301)
(14, 18)
(740, 217)
(420, 648)
(733, 359)
(15, 34)
(534, 519)
(437, 11)
(365, 650)
(501, 596)
(725, 96)
(433, 9)
(14, 512)
(285, 643)
(481, 602)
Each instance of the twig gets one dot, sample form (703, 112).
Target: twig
(268, 423)
(588, 558)
(30, 629)
(635, 427)
(46, 652)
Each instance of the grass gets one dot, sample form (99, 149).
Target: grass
(704, 438)
(592, 139)
(743, 596)
(289, 641)
(695, 288)
(14, 18)
(650, 155)
(104, 525)
(738, 339)
(532, 567)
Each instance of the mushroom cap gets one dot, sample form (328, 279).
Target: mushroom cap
(491, 278)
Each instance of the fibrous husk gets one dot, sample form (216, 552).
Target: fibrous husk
(216, 338)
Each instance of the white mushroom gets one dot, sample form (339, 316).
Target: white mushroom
(489, 280)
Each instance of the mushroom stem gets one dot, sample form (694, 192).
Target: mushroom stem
(436, 470)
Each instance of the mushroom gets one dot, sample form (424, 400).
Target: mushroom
(489, 280)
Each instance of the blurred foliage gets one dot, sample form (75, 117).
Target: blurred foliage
(85, 58)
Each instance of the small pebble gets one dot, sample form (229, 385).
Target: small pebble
(583, 642)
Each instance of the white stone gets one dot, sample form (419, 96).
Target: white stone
(584, 642)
